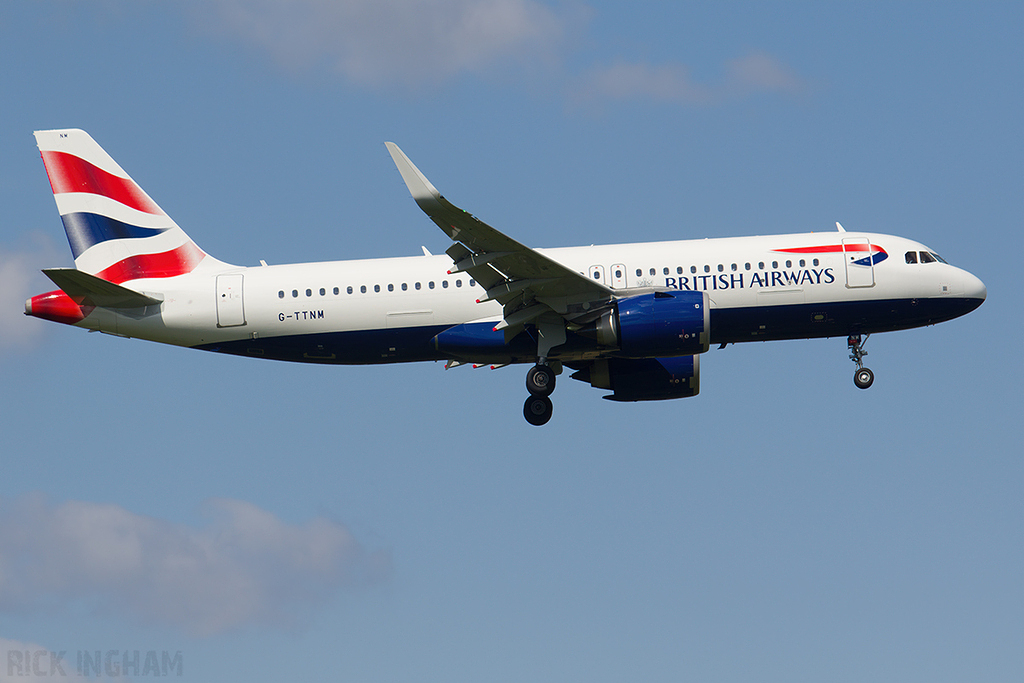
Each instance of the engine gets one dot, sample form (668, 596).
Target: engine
(644, 379)
(666, 324)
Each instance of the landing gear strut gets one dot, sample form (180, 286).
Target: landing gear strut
(540, 382)
(863, 377)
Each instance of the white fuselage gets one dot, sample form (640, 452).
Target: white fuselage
(387, 310)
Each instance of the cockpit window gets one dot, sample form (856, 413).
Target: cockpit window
(937, 257)
(911, 257)
(926, 257)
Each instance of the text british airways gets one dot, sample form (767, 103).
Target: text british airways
(774, 278)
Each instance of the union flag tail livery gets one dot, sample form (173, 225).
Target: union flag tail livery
(115, 230)
(631, 319)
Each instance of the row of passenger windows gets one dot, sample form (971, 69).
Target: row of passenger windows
(596, 274)
(707, 268)
(926, 257)
(376, 288)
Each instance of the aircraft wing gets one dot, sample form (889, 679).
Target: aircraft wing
(527, 283)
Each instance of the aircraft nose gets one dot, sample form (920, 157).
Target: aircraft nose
(974, 288)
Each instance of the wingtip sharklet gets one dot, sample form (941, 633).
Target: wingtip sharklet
(419, 186)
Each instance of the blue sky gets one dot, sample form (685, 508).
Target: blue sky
(389, 523)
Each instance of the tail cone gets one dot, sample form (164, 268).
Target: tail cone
(58, 307)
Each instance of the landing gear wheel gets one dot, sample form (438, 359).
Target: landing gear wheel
(863, 378)
(540, 381)
(537, 410)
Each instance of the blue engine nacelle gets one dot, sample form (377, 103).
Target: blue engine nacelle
(662, 324)
(644, 379)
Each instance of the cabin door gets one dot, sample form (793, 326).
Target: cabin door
(860, 271)
(230, 311)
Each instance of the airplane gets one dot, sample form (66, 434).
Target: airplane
(632, 319)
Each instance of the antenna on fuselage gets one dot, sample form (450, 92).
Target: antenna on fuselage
(840, 226)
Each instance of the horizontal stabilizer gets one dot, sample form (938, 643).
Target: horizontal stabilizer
(86, 288)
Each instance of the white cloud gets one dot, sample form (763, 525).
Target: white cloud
(19, 279)
(760, 72)
(246, 567)
(672, 82)
(628, 81)
(379, 42)
(423, 43)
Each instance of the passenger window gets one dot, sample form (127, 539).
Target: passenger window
(927, 258)
(720, 267)
(472, 282)
(803, 263)
(653, 271)
(760, 265)
(458, 283)
(376, 289)
(911, 257)
(679, 270)
(775, 264)
(323, 291)
(815, 262)
(349, 290)
(362, 289)
(391, 288)
(295, 293)
(639, 272)
(430, 284)
(664, 271)
(309, 292)
(618, 273)
(693, 269)
(707, 269)
(336, 291)
(597, 275)
(417, 285)
(405, 287)
(746, 266)
(789, 264)
(733, 267)
(280, 295)
(444, 284)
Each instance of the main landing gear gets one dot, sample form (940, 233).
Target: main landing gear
(540, 382)
(863, 377)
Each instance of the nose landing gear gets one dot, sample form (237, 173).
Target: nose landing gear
(863, 377)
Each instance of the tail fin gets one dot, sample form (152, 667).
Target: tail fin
(115, 230)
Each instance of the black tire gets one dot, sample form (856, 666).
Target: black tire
(537, 410)
(863, 378)
(540, 380)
